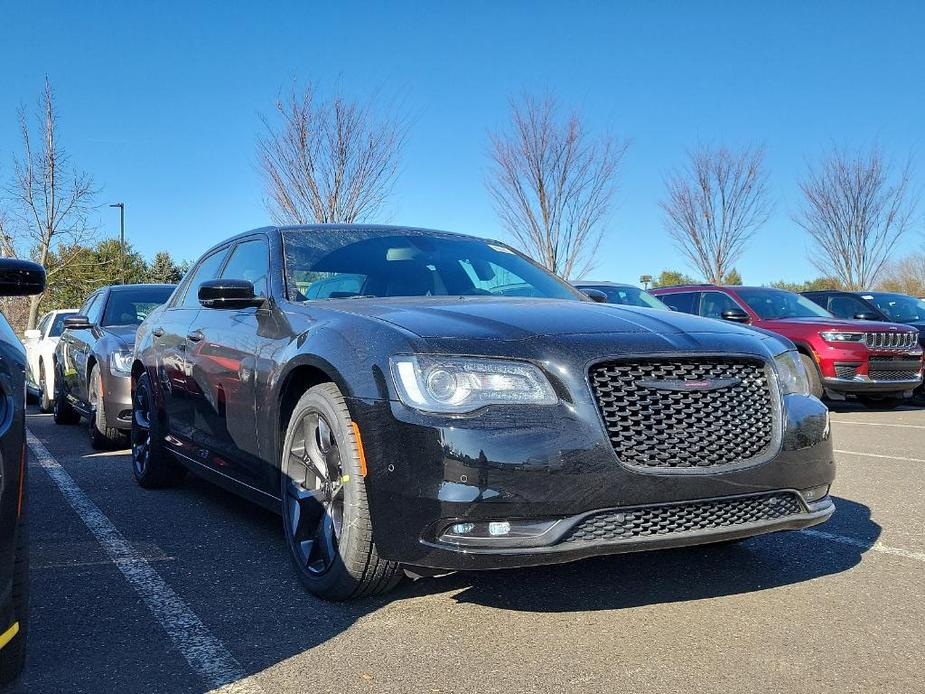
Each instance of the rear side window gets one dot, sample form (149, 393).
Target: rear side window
(712, 304)
(685, 302)
(206, 270)
(250, 260)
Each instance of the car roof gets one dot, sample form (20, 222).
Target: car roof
(580, 283)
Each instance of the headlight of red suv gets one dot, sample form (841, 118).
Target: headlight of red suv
(840, 336)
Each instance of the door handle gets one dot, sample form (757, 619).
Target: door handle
(158, 332)
(195, 336)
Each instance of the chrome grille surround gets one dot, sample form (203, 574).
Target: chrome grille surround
(680, 431)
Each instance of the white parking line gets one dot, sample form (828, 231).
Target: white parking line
(878, 424)
(205, 654)
(877, 546)
(878, 455)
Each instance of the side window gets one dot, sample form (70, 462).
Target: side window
(250, 260)
(846, 306)
(206, 270)
(43, 324)
(712, 304)
(93, 308)
(685, 302)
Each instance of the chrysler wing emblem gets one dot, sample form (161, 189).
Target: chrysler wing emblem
(679, 384)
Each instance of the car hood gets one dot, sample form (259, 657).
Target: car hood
(124, 334)
(867, 326)
(490, 318)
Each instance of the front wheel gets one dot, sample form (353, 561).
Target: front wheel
(46, 402)
(152, 464)
(325, 512)
(102, 435)
(62, 411)
(812, 373)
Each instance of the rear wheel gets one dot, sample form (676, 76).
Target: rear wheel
(62, 410)
(325, 512)
(46, 403)
(101, 434)
(812, 373)
(152, 464)
(13, 654)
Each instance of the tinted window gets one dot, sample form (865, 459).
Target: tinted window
(772, 304)
(250, 261)
(411, 263)
(686, 302)
(57, 327)
(846, 306)
(627, 296)
(206, 270)
(899, 307)
(712, 304)
(132, 305)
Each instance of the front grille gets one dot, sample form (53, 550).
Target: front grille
(893, 369)
(892, 340)
(654, 428)
(846, 370)
(685, 517)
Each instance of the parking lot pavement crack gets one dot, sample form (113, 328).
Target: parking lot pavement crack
(206, 655)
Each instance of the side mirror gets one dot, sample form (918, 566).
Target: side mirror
(595, 295)
(77, 322)
(33, 334)
(736, 315)
(228, 294)
(21, 277)
(866, 315)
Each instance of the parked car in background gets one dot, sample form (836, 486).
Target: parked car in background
(883, 306)
(425, 417)
(879, 362)
(17, 278)
(622, 294)
(40, 347)
(94, 356)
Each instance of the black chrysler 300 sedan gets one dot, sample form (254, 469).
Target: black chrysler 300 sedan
(441, 402)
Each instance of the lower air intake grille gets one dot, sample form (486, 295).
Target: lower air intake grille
(687, 412)
(682, 518)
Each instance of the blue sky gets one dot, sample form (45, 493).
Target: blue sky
(160, 100)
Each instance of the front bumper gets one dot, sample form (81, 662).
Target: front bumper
(117, 400)
(556, 464)
(853, 368)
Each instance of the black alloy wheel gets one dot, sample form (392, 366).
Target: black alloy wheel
(152, 464)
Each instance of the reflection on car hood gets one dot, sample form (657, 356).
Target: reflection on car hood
(124, 333)
(491, 318)
(868, 326)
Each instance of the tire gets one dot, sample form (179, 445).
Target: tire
(880, 402)
(61, 408)
(102, 436)
(153, 467)
(13, 655)
(812, 373)
(326, 518)
(46, 404)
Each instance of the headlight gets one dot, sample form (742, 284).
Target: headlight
(791, 374)
(464, 384)
(838, 336)
(120, 363)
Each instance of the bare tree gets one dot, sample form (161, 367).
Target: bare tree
(906, 275)
(552, 184)
(856, 209)
(328, 161)
(715, 205)
(49, 201)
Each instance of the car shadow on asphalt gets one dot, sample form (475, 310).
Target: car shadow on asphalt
(674, 575)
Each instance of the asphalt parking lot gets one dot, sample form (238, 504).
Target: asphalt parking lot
(183, 590)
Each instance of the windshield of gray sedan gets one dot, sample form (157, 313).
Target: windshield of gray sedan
(132, 306)
(355, 263)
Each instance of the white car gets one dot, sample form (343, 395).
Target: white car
(40, 354)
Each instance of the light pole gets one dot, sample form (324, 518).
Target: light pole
(121, 206)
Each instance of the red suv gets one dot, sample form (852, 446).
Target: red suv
(880, 363)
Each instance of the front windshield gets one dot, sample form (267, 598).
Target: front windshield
(773, 304)
(131, 305)
(627, 296)
(57, 327)
(356, 263)
(899, 307)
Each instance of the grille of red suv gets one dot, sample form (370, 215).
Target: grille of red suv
(669, 519)
(655, 422)
(892, 369)
(895, 340)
